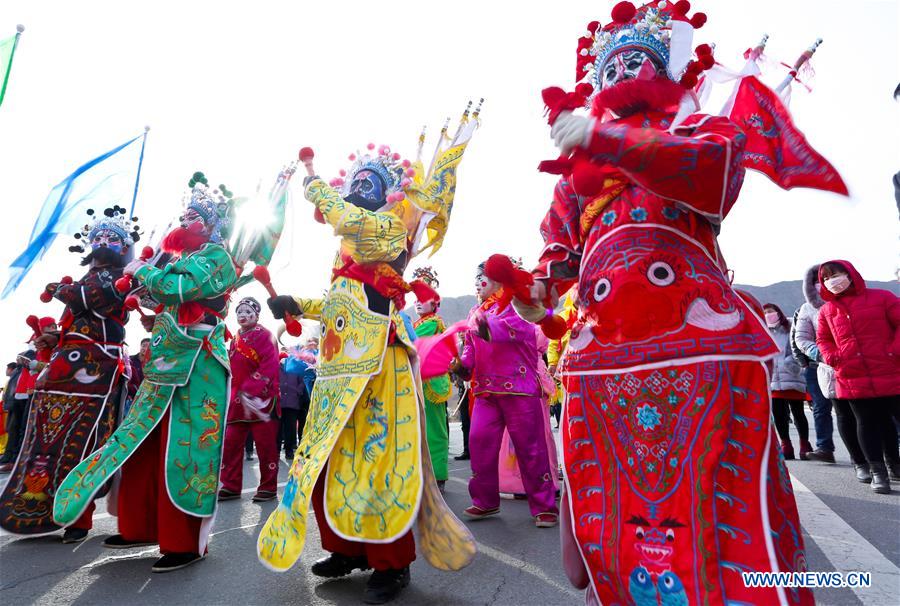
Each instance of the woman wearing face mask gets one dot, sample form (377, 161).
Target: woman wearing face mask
(788, 386)
(858, 336)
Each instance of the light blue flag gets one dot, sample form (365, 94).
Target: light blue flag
(107, 180)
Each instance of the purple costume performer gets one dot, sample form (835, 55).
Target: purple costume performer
(501, 352)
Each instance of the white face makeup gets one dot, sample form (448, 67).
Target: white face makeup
(425, 308)
(246, 316)
(485, 287)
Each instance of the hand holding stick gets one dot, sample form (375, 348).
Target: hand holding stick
(47, 295)
(123, 284)
(261, 273)
(306, 158)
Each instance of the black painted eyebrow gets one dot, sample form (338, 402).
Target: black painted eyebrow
(671, 523)
(637, 520)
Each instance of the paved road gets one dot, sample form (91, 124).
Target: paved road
(845, 525)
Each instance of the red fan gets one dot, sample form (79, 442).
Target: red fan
(437, 352)
(261, 273)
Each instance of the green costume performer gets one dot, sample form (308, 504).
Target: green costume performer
(436, 390)
(177, 420)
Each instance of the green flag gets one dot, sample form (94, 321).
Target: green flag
(7, 50)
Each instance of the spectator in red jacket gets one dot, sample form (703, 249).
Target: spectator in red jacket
(859, 336)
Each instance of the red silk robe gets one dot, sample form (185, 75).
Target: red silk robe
(674, 482)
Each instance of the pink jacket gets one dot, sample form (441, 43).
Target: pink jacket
(507, 364)
(859, 336)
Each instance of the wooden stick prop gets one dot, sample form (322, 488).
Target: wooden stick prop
(517, 284)
(124, 283)
(792, 74)
(261, 273)
(47, 296)
(306, 159)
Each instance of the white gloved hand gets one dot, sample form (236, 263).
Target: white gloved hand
(133, 266)
(571, 130)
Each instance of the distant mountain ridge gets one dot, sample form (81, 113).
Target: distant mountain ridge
(786, 295)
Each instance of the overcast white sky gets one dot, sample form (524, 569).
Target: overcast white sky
(236, 88)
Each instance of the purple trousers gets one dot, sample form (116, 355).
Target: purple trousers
(523, 418)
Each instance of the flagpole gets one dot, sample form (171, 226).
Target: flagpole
(137, 177)
(807, 54)
(19, 29)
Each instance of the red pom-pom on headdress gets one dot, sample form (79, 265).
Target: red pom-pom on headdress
(703, 49)
(306, 153)
(698, 20)
(682, 7)
(623, 12)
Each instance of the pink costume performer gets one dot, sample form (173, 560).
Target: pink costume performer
(254, 385)
(501, 352)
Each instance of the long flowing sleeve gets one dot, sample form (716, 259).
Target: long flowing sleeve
(311, 308)
(700, 167)
(205, 274)
(366, 236)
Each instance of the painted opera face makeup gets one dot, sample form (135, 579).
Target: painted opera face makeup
(367, 190)
(484, 286)
(106, 238)
(246, 316)
(629, 65)
(193, 221)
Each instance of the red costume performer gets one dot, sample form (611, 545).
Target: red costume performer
(674, 486)
(253, 407)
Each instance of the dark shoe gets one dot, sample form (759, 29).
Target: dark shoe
(822, 456)
(805, 450)
(117, 541)
(249, 456)
(894, 471)
(74, 535)
(441, 484)
(228, 495)
(787, 451)
(880, 482)
(262, 496)
(863, 474)
(175, 561)
(464, 456)
(385, 585)
(477, 513)
(337, 565)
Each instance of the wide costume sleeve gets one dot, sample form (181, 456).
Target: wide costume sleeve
(366, 236)
(508, 327)
(205, 274)
(91, 294)
(561, 257)
(699, 167)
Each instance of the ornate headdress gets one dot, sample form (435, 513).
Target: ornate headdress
(428, 275)
(216, 206)
(113, 219)
(661, 29)
(395, 172)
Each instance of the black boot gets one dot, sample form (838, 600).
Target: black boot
(862, 472)
(894, 470)
(337, 565)
(464, 456)
(117, 541)
(880, 482)
(175, 561)
(385, 585)
(74, 535)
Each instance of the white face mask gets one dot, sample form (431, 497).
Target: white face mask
(772, 319)
(837, 284)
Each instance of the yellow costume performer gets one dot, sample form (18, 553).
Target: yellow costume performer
(363, 452)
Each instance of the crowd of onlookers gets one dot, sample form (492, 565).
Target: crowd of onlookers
(841, 351)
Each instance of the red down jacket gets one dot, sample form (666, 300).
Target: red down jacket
(859, 336)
